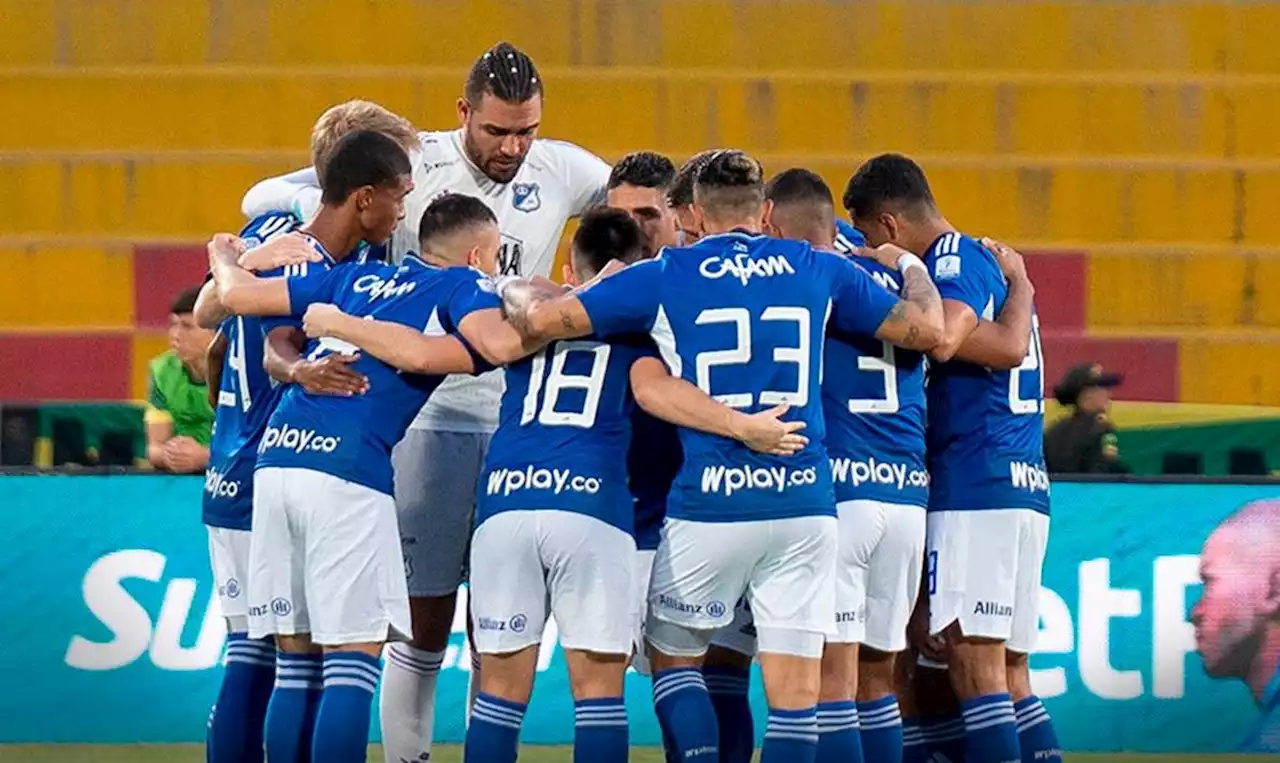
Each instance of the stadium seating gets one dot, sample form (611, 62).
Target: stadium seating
(1131, 145)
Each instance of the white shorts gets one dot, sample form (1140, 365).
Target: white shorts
(524, 563)
(785, 567)
(740, 634)
(325, 560)
(984, 569)
(229, 558)
(878, 570)
(436, 478)
(643, 572)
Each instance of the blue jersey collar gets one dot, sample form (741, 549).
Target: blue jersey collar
(738, 233)
(315, 242)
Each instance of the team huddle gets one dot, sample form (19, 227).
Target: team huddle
(742, 430)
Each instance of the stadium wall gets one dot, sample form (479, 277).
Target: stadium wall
(112, 631)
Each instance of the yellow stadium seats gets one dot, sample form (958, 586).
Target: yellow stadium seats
(66, 287)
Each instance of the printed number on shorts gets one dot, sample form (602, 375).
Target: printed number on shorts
(774, 320)
(1033, 362)
(557, 381)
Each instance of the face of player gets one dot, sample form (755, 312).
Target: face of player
(484, 252)
(188, 341)
(498, 135)
(1235, 603)
(687, 226)
(879, 229)
(382, 208)
(648, 207)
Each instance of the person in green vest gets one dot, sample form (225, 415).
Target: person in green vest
(179, 418)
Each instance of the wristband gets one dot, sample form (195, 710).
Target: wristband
(909, 260)
(501, 284)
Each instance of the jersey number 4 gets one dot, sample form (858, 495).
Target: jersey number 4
(235, 361)
(799, 355)
(557, 381)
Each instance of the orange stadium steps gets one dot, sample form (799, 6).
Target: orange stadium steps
(764, 34)
(1059, 202)
(190, 108)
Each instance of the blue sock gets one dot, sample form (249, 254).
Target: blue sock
(494, 733)
(991, 730)
(342, 723)
(600, 731)
(882, 731)
(291, 713)
(728, 687)
(944, 735)
(838, 737)
(235, 725)
(1036, 734)
(914, 750)
(685, 712)
(669, 752)
(791, 736)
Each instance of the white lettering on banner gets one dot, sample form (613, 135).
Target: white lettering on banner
(743, 268)
(731, 479)
(1095, 632)
(1173, 635)
(1056, 636)
(130, 624)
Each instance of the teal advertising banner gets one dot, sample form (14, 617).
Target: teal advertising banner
(111, 631)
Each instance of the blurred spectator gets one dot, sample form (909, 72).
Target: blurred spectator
(1084, 442)
(179, 418)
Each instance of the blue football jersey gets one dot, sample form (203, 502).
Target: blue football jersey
(848, 237)
(874, 401)
(246, 398)
(351, 437)
(986, 428)
(653, 461)
(1265, 735)
(563, 432)
(744, 317)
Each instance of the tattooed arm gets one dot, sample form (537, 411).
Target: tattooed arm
(916, 321)
(543, 312)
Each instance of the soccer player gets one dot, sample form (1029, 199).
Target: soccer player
(680, 197)
(638, 184)
(533, 186)
(1237, 629)
(326, 564)
(744, 317)
(874, 401)
(988, 515)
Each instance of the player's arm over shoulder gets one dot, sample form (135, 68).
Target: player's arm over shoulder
(863, 306)
(962, 273)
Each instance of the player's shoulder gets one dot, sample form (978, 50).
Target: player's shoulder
(848, 238)
(563, 161)
(266, 226)
(954, 254)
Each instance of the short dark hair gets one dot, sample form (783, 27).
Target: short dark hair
(505, 72)
(885, 179)
(451, 213)
(681, 192)
(362, 158)
(798, 185)
(607, 233)
(644, 169)
(185, 302)
(730, 182)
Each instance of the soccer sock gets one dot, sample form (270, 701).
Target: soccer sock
(990, 730)
(944, 735)
(235, 726)
(728, 687)
(838, 737)
(473, 687)
(914, 749)
(882, 732)
(407, 706)
(791, 736)
(494, 733)
(1036, 734)
(685, 712)
(342, 723)
(600, 731)
(291, 713)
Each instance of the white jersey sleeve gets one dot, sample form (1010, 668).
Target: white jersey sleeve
(297, 192)
(586, 176)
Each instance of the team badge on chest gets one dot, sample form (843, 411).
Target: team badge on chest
(526, 197)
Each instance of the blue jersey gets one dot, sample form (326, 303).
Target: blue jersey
(744, 317)
(874, 401)
(986, 428)
(653, 461)
(563, 432)
(351, 437)
(246, 398)
(1265, 735)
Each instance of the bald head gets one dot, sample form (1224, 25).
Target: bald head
(1239, 609)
